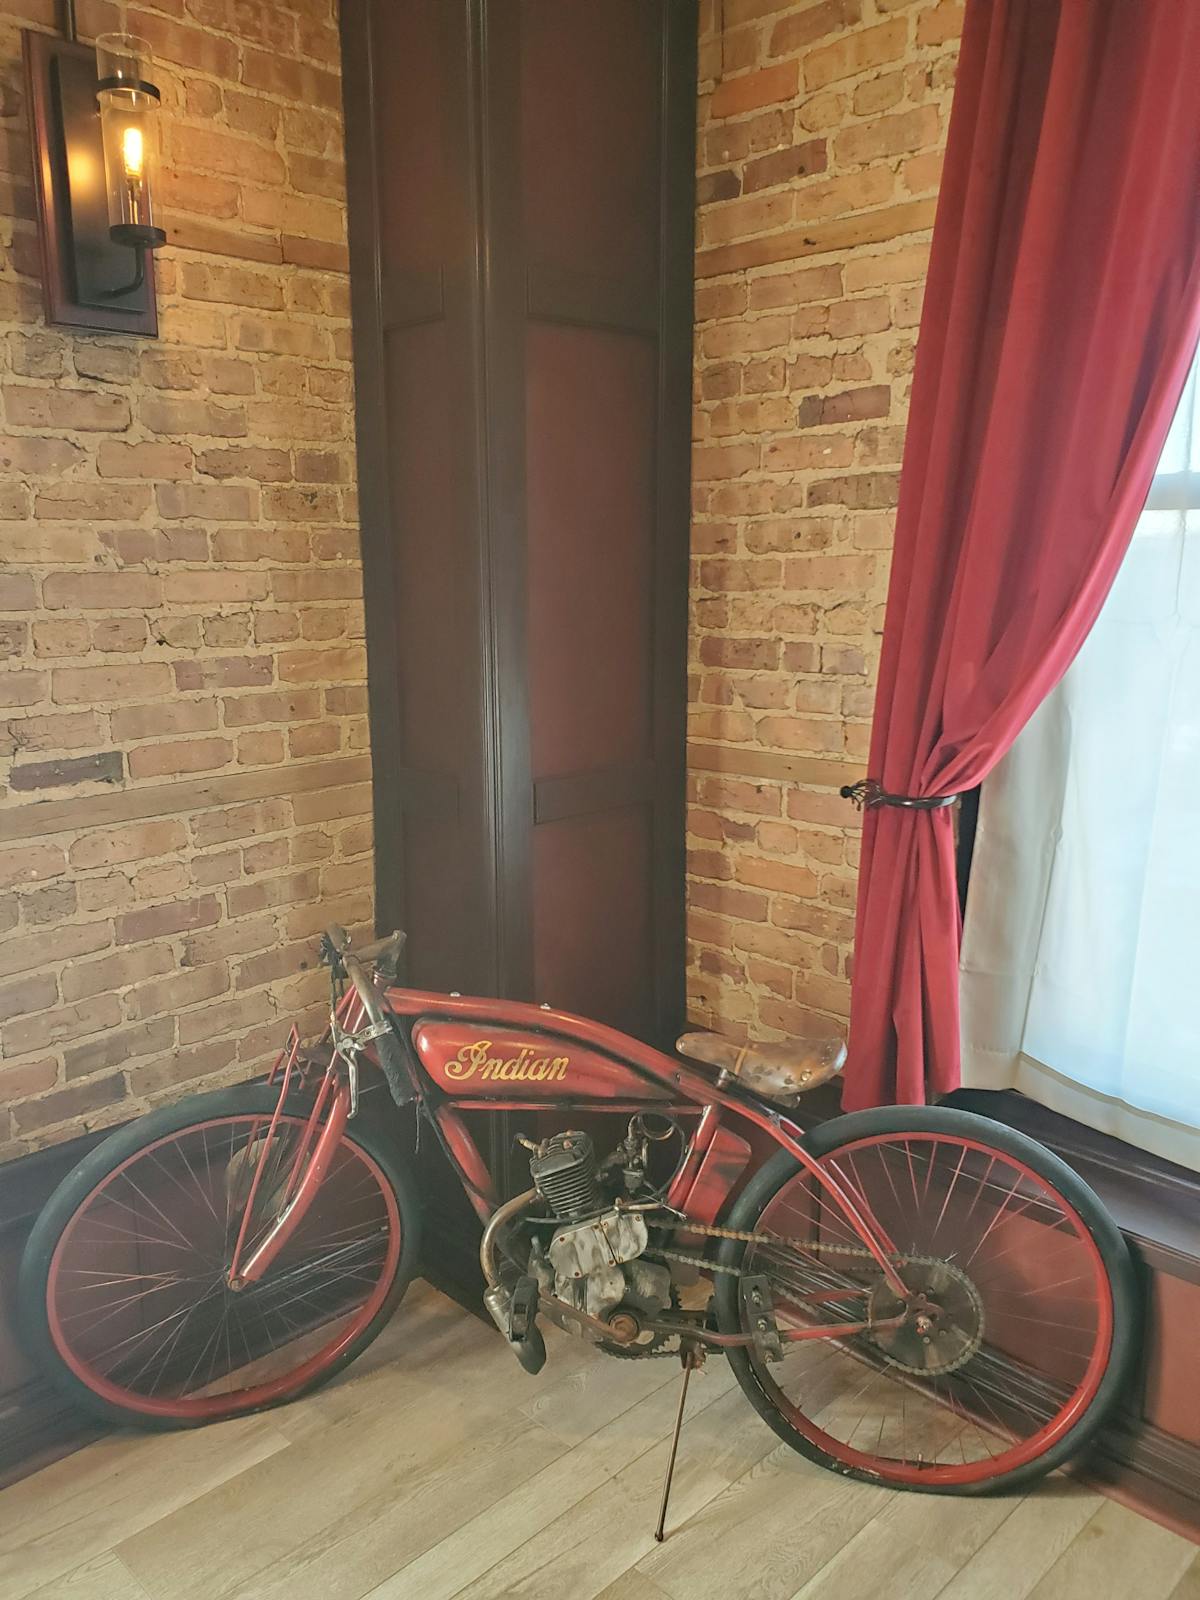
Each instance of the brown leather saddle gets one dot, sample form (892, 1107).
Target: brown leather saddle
(779, 1072)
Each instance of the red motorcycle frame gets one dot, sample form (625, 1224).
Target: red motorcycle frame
(547, 1061)
(958, 1273)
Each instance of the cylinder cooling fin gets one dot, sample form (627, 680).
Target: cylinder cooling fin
(564, 1171)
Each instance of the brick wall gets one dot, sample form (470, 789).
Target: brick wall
(821, 128)
(184, 788)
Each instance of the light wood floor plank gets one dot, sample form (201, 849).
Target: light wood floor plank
(389, 1529)
(214, 1547)
(1188, 1587)
(436, 1469)
(876, 1561)
(589, 1546)
(1119, 1553)
(953, 1525)
(783, 1521)
(104, 1578)
(83, 1505)
(1009, 1565)
(633, 1585)
(483, 1543)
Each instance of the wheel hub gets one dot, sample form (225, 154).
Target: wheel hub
(943, 1318)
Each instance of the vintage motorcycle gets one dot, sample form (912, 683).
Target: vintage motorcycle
(914, 1295)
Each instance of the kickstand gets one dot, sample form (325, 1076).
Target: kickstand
(691, 1357)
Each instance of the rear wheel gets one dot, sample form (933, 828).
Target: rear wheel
(1015, 1336)
(123, 1282)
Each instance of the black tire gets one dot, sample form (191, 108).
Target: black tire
(750, 1205)
(242, 1100)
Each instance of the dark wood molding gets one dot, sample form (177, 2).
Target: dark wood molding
(367, 316)
(37, 1424)
(590, 300)
(676, 290)
(28, 1182)
(1157, 1473)
(578, 794)
(410, 298)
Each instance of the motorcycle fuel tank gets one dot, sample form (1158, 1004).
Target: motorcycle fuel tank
(477, 1061)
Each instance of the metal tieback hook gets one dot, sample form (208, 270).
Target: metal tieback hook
(868, 793)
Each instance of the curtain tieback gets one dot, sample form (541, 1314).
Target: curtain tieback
(869, 793)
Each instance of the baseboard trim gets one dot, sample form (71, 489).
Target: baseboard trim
(1149, 1470)
(37, 1426)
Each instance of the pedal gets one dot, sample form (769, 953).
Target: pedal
(514, 1311)
(522, 1308)
(759, 1312)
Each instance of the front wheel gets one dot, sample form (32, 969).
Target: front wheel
(124, 1282)
(1015, 1336)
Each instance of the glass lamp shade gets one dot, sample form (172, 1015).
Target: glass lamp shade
(129, 102)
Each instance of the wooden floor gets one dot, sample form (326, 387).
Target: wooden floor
(437, 1468)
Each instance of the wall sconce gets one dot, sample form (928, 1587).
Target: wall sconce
(94, 125)
(129, 104)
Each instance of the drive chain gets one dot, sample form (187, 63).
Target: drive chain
(691, 1259)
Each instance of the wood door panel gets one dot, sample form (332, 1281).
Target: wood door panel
(590, 511)
(416, 200)
(590, 147)
(435, 626)
(593, 917)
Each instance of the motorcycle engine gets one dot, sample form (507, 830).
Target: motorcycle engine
(593, 1259)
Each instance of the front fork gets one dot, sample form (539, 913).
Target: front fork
(336, 1102)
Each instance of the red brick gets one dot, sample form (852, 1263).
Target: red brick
(99, 685)
(940, 23)
(785, 166)
(851, 405)
(181, 1066)
(856, 52)
(175, 756)
(68, 1105)
(179, 916)
(814, 22)
(734, 97)
(78, 410)
(101, 591)
(864, 489)
(29, 1078)
(63, 1024)
(224, 672)
(291, 80)
(25, 995)
(887, 136)
(168, 995)
(317, 666)
(147, 460)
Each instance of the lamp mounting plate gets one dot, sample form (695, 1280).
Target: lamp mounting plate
(88, 277)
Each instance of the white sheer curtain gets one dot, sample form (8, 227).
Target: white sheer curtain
(1081, 951)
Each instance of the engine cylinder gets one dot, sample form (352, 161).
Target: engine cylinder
(564, 1171)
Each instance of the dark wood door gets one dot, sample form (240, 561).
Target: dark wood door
(521, 193)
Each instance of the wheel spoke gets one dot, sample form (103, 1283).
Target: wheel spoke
(1000, 1344)
(138, 1305)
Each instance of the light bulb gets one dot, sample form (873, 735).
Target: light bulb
(132, 153)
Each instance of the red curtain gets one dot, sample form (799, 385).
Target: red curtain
(1061, 311)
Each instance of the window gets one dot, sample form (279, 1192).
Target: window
(1081, 953)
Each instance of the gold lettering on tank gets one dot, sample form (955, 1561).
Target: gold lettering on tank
(476, 1061)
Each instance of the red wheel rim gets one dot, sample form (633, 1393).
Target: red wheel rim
(132, 1302)
(1018, 1312)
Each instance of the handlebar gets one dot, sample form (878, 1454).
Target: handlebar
(335, 946)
